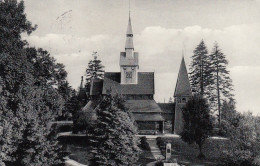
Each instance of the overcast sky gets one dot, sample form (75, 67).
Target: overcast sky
(72, 30)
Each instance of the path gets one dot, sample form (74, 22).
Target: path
(155, 149)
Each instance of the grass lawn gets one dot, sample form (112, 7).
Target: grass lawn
(79, 151)
(145, 158)
(187, 154)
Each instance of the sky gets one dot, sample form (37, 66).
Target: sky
(72, 30)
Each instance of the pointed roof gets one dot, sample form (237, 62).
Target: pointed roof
(129, 36)
(81, 83)
(183, 84)
(129, 27)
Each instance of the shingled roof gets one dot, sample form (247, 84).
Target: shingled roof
(167, 107)
(112, 84)
(148, 117)
(183, 84)
(146, 106)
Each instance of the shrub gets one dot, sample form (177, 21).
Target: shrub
(244, 141)
(80, 122)
(144, 144)
(159, 163)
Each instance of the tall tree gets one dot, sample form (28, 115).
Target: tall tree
(27, 105)
(221, 87)
(113, 141)
(197, 122)
(199, 70)
(95, 70)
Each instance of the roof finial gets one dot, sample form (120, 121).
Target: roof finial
(129, 7)
(183, 49)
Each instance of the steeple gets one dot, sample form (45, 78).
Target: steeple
(81, 83)
(129, 59)
(183, 84)
(182, 94)
(129, 35)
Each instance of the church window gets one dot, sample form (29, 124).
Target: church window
(128, 74)
(183, 100)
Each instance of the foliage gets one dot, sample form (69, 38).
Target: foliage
(230, 118)
(144, 144)
(199, 67)
(95, 70)
(29, 99)
(113, 141)
(221, 87)
(197, 122)
(244, 141)
(209, 76)
(79, 117)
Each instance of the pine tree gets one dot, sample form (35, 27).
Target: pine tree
(199, 70)
(197, 122)
(113, 141)
(221, 87)
(95, 70)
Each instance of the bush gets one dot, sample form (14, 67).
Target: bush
(159, 163)
(161, 144)
(244, 141)
(144, 144)
(80, 122)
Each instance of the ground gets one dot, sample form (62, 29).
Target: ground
(184, 153)
(187, 154)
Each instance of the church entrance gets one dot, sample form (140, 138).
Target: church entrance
(150, 127)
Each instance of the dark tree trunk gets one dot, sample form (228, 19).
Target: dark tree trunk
(219, 113)
(201, 155)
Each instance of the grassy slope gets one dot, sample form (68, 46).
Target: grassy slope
(185, 153)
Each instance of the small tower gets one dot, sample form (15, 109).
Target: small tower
(182, 94)
(129, 59)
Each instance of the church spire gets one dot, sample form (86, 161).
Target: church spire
(81, 83)
(129, 35)
(183, 83)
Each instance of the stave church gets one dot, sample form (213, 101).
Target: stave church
(138, 88)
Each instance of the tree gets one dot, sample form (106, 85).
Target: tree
(197, 122)
(244, 145)
(199, 67)
(95, 70)
(29, 101)
(230, 118)
(221, 87)
(113, 141)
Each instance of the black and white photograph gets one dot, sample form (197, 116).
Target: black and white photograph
(129, 83)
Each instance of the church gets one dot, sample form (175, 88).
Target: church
(138, 88)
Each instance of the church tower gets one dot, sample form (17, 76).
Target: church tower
(129, 59)
(182, 94)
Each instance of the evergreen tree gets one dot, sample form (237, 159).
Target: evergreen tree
(199, 70)
(95, 70)
(221, 87)
(113, 141)
(197, 122)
